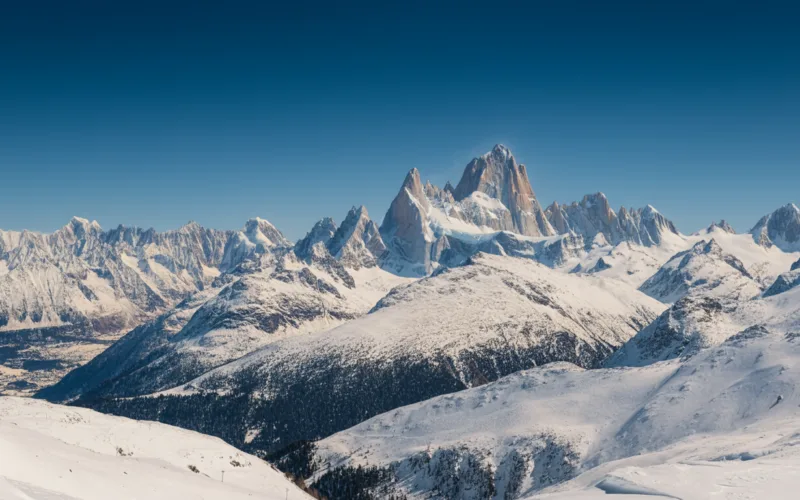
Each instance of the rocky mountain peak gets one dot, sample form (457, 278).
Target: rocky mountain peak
(498, 175)
(80, 227)
(413, 186)
(500, 151)
(357, 243)
(322, 232)
(781, 228)
(405, 229)
(597, 204)
(711, 247)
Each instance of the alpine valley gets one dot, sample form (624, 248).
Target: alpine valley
(474, 344)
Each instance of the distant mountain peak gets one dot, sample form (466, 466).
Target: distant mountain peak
(498, 175)
(79, 224)
(721, 225)
(322, 232)
(357, 242)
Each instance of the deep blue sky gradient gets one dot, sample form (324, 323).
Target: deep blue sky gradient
(155, 113)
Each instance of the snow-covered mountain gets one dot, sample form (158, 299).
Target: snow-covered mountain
(498, 175)
(279, 343)
(112, 279)
(61, 453)
(703, 269)
(707, 318)
(726, 420)
(781, 228)
(65, 296)
(458, 328)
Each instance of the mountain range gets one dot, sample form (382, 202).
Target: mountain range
(472, 303)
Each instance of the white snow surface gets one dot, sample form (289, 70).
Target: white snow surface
(507, 299)
(52, 452)
(723, 424)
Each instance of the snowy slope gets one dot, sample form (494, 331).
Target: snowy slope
(651, 427)
(694, 323)
(763, 263)
(720, 298)
(283, 298)
(60, 453)
(456, 329)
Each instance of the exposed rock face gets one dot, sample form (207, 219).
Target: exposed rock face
(357, 243)
(322, 232)
(795, 266)
(498, 175)
(781, 228)
(405, 228)
(593, 216)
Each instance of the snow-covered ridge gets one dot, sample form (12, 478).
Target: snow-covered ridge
(67, 295)
(115, 278)
(64, 453)
(703, 269)
(526, 434)
(594, 216)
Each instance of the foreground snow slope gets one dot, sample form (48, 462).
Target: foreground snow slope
(699, 468)
(60, 453)
(535, 429)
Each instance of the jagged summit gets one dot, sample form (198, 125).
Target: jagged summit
(594, 216)
(498, 175)
(322, 232)
(357, 242)
(500, 151)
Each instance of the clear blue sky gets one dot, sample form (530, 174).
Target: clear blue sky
(155, 113)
